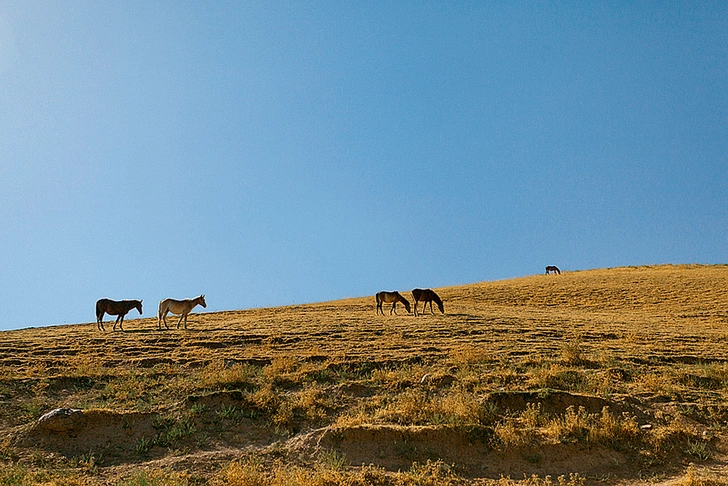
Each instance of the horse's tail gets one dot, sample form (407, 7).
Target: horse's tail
(160, 311)
(99, 309)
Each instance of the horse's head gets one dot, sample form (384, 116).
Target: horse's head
(406, 304)
(139, 306)
(201, 300)
(441, 306)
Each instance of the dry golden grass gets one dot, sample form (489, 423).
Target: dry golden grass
(614, 376)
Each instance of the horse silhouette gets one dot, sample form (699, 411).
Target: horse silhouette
(180, 307)
(552, 269)
(427, 295)
(393, 298)
(115, 308)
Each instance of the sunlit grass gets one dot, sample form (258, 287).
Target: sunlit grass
(654, 335)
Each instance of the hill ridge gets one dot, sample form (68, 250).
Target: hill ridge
(497, 377)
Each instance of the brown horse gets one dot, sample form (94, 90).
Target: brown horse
(181, 307)
(427, 295)
(115, 308)
(393, 298)
(552, 269)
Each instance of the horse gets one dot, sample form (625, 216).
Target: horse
(115, 308)
(552, 269)
(392, 297)
(427, 295)
(181, 307)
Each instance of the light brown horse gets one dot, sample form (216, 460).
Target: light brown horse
(115, 308)
(427, 295)
(393, 298)
(552, 269)
(180, 307)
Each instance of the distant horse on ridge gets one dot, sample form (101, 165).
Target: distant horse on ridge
(427, 295)
(115, 308)
(393, 298)
(552, 269)
(181, 307)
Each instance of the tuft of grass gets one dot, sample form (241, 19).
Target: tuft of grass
(172, 432)
(573, 479)
(280, 367)
(699, 449)
(693, 477)
(219, 376)
(143, 446)
(417, 406)
(604, 428)
(508, 434)
(154, 478)
(572, 352)
(332, 460)
(252, 472)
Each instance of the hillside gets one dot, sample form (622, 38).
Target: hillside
(613, 376)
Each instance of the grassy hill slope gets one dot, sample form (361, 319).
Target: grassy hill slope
(614, 376)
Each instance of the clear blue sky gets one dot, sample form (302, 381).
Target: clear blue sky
(269, 153)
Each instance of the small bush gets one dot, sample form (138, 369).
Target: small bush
(604, 428)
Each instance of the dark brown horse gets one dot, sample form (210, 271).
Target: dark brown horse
(427, 295)
(552, 269)
(393, 298)
(115, 308)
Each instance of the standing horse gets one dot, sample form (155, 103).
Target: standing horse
(181, 307)
(393, 298)
(115, 308)
(427, 295)
(552, 269)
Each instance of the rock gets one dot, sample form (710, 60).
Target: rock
(62, 420)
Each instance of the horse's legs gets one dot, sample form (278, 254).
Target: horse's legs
(394, 308)
(163, 318)
(121, 322)
(180, 319)
(100, 322)
(415, 308)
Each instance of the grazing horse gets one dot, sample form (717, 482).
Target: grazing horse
(181, 307)
(427, 295)
(552, 269)
(392, 297)
(114, 308)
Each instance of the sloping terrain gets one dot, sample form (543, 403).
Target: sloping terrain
(615, 376)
